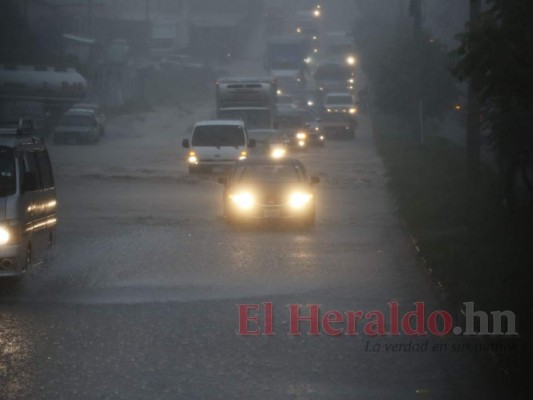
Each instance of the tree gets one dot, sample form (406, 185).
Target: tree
(496, 55)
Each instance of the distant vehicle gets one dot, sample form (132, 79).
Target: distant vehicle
(287, 52)
(95, 108)
(269, 143)
(75, 127)
(291, 123)
(308, 24)
(339, 115)
(285, 100)
(215, 145)
(334, 77)
(339, 47)
(290, 81)
(267, 189)
(274, 20)
(28, 201)
(252, 100)
(315, 135)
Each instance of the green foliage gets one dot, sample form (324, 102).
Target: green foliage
(496, 56)
(407, 68)
(402, 69)
(462, 229)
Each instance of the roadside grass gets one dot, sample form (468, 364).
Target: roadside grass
(461, 228)
(464, 234)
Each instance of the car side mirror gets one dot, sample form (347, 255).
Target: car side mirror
(223, 180)
(252, 143)
(29, 182)
(315, 180)
(185, 143)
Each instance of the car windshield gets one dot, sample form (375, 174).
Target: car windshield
(283, 173)
(254, 119)
(77, 120)
(8, 181)
(347, 100)
(218, 136)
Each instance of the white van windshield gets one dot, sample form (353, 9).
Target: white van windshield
(218, 136)
(8, 180)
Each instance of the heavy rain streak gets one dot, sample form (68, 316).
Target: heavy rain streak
(265, 199)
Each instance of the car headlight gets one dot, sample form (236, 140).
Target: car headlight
(243, 155)
(243, 200)
(278, 152)
(5, 235)
(299, 200)
(350, 60)
(10, 232)
(193, 159)
(301, 136)
(353, 110)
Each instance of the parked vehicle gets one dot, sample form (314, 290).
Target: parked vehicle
(80, 126)
(94, 108)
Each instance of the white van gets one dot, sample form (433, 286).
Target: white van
(215, 145)
(27, 202)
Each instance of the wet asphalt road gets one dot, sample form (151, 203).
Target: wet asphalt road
(140, 301)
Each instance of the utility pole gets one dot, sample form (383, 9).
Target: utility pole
(473, 125)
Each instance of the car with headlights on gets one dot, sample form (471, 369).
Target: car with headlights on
(292, 125)
(313, 127)
(339, 115)
(267, 189)
(269, 143)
